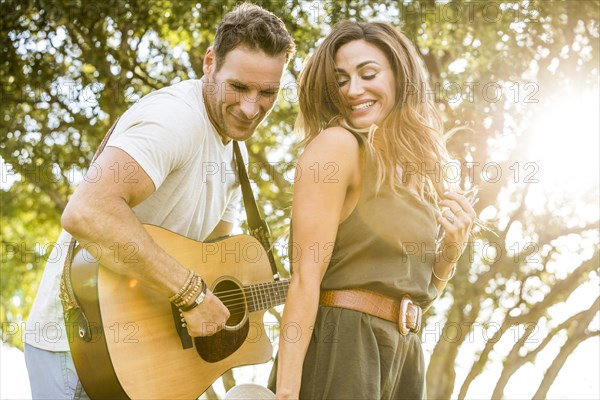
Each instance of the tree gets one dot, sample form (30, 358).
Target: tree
(69, 70)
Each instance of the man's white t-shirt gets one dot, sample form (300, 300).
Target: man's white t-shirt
(169, 135)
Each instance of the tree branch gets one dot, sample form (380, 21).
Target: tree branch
(577, 333)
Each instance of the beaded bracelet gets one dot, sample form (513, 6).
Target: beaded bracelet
(181, 299)
(448, 278)
(186, 290)
(191, 294)
(198, 299)
(185, 287)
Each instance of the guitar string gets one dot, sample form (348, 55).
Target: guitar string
(240, 310)
(256, 287)
(233, 303)
(228, 301)
(233, 307)
(238, 292)
(250, 300)
(230, 304)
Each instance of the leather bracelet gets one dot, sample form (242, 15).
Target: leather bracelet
(198, 299)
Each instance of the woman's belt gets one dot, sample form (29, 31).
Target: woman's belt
(407, 314)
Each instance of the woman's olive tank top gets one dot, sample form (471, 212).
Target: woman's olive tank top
(386, 245)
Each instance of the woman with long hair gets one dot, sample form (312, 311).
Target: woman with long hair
(370, 199)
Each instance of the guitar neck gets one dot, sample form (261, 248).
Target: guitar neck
(263, 296)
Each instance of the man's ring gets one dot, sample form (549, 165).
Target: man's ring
(450, 218)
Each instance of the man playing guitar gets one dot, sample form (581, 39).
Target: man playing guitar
(164, 164)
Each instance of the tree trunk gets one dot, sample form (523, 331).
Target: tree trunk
(440, 373)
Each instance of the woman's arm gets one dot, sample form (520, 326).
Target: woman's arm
(327, 174)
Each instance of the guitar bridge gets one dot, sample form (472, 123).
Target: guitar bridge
(180, 327)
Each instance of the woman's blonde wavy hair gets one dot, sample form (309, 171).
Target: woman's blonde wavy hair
(411, 137)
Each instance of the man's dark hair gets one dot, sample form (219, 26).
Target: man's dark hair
(251, 26)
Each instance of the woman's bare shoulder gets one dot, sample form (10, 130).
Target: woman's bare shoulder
(335, 141)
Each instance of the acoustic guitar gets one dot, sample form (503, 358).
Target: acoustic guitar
(137, 346)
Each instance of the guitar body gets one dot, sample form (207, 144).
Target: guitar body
(135, 350)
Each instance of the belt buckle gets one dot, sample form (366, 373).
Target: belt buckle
(402, 327)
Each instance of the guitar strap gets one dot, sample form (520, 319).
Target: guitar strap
(258, 227)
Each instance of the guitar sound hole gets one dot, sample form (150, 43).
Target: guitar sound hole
(231, 293)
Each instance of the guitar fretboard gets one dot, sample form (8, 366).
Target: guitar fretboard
(263, 296)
